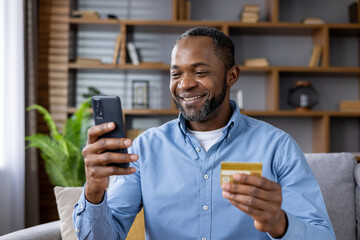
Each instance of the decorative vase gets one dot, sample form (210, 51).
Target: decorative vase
(303, 96)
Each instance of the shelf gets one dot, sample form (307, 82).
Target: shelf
(286, 25)
(254, 113)
(302, 69)
(161, 66)
(283, 113)
(93, 21)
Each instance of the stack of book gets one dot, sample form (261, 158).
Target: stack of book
(350, 106)
(86, 14)
(256, 62)
(250, 14)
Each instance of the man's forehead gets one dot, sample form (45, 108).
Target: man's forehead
(195, 40)
(193, 45)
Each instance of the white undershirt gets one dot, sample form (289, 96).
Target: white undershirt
(208, 138)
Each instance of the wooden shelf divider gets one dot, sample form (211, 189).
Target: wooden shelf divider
(272, 90)
(321, 134)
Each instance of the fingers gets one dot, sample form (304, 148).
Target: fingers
(253, 193)
(107, 144)
(110, 157)
(273, 195)
(96, 131)
(260, 198)
(258, 181)
(100, 172)
(252, 203)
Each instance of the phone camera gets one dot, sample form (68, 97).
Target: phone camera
(99, 111)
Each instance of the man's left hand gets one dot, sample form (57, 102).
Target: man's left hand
(261, 199)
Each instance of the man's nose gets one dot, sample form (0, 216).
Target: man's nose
(187, 82)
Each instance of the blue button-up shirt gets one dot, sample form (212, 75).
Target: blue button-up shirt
(178, 185)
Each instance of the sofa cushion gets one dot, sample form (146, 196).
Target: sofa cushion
(357, 199)
(66, 198)
(335, 174)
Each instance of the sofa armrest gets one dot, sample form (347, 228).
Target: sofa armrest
(46, 231)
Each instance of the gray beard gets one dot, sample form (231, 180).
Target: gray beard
(209, 106)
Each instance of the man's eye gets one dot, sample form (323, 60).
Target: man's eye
(201, 73)
(174, 75)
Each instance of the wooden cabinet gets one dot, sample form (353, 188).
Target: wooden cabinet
(279, 36)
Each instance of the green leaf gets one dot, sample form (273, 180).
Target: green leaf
(47, 117)
(62, 153)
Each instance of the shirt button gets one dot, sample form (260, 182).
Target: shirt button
(206, 176)
(198, 149)
(81, 206)
(203, 239)
(205, 208)
(228, 136)
(77, 230)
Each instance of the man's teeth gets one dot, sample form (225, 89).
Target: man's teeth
(191, 98)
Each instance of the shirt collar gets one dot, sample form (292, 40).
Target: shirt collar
(232, 124)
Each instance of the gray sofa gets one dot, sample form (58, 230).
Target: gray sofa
(337, 173)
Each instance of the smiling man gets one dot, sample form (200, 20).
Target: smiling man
(175, 168)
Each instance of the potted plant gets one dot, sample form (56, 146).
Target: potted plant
(62, 152)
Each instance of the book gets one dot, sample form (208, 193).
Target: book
(134, 57)
(353, 12)
(349, 106)
(256, 62)
(240, 99)
(251, 8)
(117, 49)
(313, 20)
(358, 10)
(183, 11)
(83, 60)
(188, 10)
(315, 56)
(250, 14)
(250, 19)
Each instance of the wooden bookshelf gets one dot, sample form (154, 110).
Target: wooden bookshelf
(319, 34)
(159, 66)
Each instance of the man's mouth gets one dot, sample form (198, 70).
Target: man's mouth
(192, 98)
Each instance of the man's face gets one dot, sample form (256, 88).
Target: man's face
(198, 80)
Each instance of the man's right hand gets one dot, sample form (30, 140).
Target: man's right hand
(96, 169)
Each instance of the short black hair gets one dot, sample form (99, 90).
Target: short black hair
(224, 46)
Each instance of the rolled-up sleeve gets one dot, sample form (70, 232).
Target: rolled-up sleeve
(302, 198)
(113, 217)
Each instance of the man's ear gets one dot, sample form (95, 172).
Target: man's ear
(232, 75)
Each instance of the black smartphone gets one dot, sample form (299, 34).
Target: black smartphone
(108, 109)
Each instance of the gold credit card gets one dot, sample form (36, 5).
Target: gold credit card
(228, 169)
